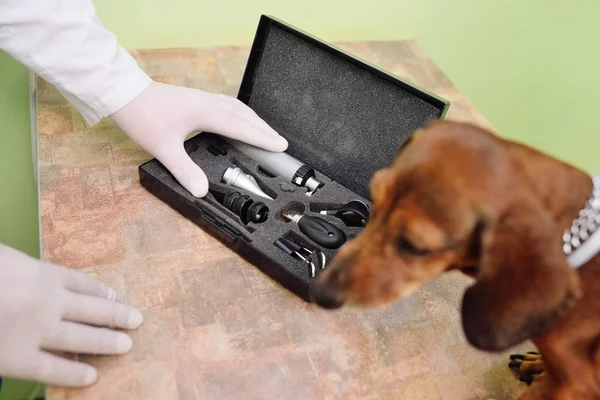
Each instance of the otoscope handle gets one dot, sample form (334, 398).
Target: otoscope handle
(321, 232)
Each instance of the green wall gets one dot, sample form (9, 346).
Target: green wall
(530, 66)
(18, 198)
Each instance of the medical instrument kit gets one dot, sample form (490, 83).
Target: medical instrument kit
(290, 213)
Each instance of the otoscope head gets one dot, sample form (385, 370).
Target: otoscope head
(234, 176)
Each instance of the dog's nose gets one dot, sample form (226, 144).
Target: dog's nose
(328, 292)
(327, 298)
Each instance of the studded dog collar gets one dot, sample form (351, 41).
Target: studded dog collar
(582, 241)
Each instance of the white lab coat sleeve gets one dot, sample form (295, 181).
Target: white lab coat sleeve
(65, 43)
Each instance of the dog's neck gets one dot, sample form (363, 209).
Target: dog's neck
(568, 194)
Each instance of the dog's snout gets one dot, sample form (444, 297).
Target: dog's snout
(329, 291)
(326, 298)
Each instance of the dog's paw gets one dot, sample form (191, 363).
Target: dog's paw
(528, 367)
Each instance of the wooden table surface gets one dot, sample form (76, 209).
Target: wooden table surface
(215, 327)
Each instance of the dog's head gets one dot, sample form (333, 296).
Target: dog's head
(455, 199)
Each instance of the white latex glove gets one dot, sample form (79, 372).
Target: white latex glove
(161, 118)
(43, 308)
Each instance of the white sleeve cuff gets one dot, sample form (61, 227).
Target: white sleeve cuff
(112, 101)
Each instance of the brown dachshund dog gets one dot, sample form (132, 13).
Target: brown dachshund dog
(460, 198)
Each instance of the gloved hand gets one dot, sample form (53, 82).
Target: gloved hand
(43, 308)
(161, 118)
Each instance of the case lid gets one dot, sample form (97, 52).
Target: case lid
(341, 115)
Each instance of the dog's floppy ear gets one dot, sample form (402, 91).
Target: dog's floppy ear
(524, 283)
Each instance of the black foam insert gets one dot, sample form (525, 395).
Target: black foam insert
(254, 242)
(340, 115)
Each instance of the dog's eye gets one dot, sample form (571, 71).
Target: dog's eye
(404, 245)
